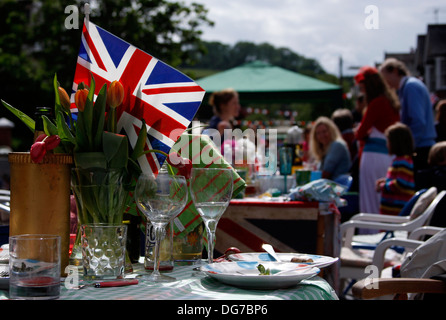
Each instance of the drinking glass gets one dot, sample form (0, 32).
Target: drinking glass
(34, 266)
(286, 163)
(211, 192)
(161, 199)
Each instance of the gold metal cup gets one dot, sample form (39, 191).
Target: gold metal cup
(40, 197)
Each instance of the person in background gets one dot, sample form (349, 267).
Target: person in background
(398, 186)
(381, 112)
(294, 135)
(416, 107)
(328, 147)
(440, 126)
(435, 174)
(343, 118)
(226, 107)
(307, 158)
(359, 108)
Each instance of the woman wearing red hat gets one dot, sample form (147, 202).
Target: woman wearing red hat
(382, 111)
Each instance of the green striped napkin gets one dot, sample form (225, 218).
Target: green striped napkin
(204, 154)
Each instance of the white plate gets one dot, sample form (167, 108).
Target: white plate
(318, 261)
(245, 274)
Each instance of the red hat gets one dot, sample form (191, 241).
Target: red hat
(363, 71)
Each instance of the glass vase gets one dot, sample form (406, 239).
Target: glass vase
(101, 198)
(103, 251)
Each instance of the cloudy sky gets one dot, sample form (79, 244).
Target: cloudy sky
(358, 31)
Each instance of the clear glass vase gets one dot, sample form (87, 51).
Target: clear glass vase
(103, 251)
(101, 198)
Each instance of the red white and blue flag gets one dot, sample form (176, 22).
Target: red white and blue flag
(165, 98)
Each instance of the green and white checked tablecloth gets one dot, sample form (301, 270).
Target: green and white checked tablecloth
(193, 285)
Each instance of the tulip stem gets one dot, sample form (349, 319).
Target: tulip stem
(164, 154)
(112, 120)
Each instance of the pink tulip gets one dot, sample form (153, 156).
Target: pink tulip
(38, 151)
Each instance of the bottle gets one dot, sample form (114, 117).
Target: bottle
(166, 249)
(133, 236)
(39, 127)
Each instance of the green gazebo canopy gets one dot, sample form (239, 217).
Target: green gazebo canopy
(260, 82)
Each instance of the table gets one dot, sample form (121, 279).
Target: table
(193, 285)
(308, 227)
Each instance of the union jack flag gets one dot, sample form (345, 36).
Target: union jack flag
(165, 98)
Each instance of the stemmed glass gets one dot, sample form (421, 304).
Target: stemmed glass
(211, 192)
(161, 199)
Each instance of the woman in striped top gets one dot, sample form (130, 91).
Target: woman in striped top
(398, 186)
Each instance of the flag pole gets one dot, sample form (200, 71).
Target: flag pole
(87, 13)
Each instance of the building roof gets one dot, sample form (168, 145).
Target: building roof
(435, 44)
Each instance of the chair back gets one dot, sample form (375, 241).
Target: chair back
(425, 217)
(423, 203)
(405, 211)
(345, 180)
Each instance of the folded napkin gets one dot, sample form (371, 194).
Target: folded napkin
(204, 154)
(4, 254)
(322, 190)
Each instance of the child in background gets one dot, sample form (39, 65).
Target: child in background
(398, 186)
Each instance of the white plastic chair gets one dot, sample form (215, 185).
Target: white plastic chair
(423, 260)
(352, 261)
(419, 216)
(413, 241)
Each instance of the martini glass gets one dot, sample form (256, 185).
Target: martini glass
(161, 199)
(211, 192)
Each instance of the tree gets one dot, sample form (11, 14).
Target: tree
(35, 44)
(220, 56)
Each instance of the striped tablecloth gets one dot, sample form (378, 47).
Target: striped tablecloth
(193, 285)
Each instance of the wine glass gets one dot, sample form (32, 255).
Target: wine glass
(161, 199)
(211, 192)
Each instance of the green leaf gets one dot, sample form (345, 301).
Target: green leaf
(138, 149)
(64, 130)
(99, 117)
(57, 104)
(81, 137)
(263, 271)
(88, 116)
(115, 149)
(49, 127)
(88, 160)
(29, 122)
